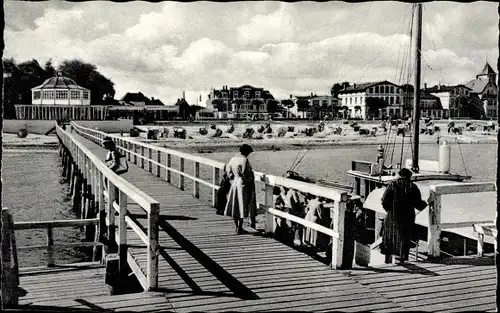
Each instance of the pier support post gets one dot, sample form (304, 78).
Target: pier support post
(338, 217)
(181, 176)
(215, 181)
(434, 230)
(196, 184)
(270, 225)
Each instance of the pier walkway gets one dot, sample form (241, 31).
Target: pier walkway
(204, 266)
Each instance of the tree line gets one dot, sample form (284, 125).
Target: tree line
(19, 78)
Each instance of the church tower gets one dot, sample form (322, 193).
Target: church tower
(488, 74)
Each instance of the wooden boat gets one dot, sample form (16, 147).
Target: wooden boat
(463, 209)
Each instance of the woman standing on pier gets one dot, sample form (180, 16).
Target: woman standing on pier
(241, 201)
(400, 200)
(115, 161)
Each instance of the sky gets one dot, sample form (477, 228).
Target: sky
(162, 49)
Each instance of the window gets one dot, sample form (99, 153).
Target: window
(392, 89)
(376, 89)
(75, 94)
(356, 100)
(392, 100)
(85, 94)
(247, 94)
(386, 89)
(61, 94)
(36, 95)
(235, 94)
(350, 100)
(48, 94)
(257, 94)
(370, 90)
(324, 103)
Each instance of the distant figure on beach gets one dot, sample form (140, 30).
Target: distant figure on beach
(241, 200)
(400, 200)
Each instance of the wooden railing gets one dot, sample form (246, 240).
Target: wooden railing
(435, 198)
(10, 264)
(49, 226)
(157, 159)
(96, 172)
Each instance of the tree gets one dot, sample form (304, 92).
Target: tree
(374, 105)
(237, 105)
(272, 106)
(86, 75)
(49, 69)
(218, 104)
(303, 105)
(257, 103)
(288, 104)
(334, 91)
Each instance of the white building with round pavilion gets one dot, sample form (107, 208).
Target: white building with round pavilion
(60, 90)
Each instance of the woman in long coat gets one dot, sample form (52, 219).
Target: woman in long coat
(315, 213)
(400, 200)
(241, 200)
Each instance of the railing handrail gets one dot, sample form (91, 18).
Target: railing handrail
(304, 222)
(435, 198)
(134, 193)
(55, 223)
(93, 168)
(272, 180)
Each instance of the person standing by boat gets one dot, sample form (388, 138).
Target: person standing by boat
(400, 200)
(241, 200)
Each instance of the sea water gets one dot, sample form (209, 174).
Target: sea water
(34, 190)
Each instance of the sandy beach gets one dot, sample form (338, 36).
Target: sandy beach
(296, 139)
(292, 140)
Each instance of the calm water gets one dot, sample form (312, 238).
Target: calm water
(34, 191)
(479, 160)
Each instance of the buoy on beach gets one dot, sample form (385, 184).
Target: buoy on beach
(22, 133)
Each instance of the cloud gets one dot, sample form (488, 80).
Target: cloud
(275, 27)
(164, 48)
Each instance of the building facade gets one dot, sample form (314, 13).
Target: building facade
(60, 90)
(484, 90)
(451, 98)
(353, 99)
(235, 102)
(430, 105)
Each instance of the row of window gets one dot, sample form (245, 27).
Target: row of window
(246, 94)
(382, 89)
(390, 100)
(60, 94)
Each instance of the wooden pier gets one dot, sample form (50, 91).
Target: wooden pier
(187, 258)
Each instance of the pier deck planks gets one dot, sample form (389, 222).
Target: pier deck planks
(200, 252)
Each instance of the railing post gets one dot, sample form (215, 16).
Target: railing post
(215, 181)
(50, 246)
(158, 159)
(10, 271)
(150, 158)
(169, 165)
(338, 219)
(196, 184)
(122, 248)
(111, 215)
(434, 230)
(142, 157)
(152, 254)
(128, 150)
(268, 202)
(181, 176)
(135, 153)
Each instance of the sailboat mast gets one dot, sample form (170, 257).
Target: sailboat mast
(416, 84)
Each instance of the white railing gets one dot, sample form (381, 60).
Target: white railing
(435, 198)
(96, 172)
(148, 157)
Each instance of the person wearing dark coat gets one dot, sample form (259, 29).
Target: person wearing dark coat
(400, 200)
